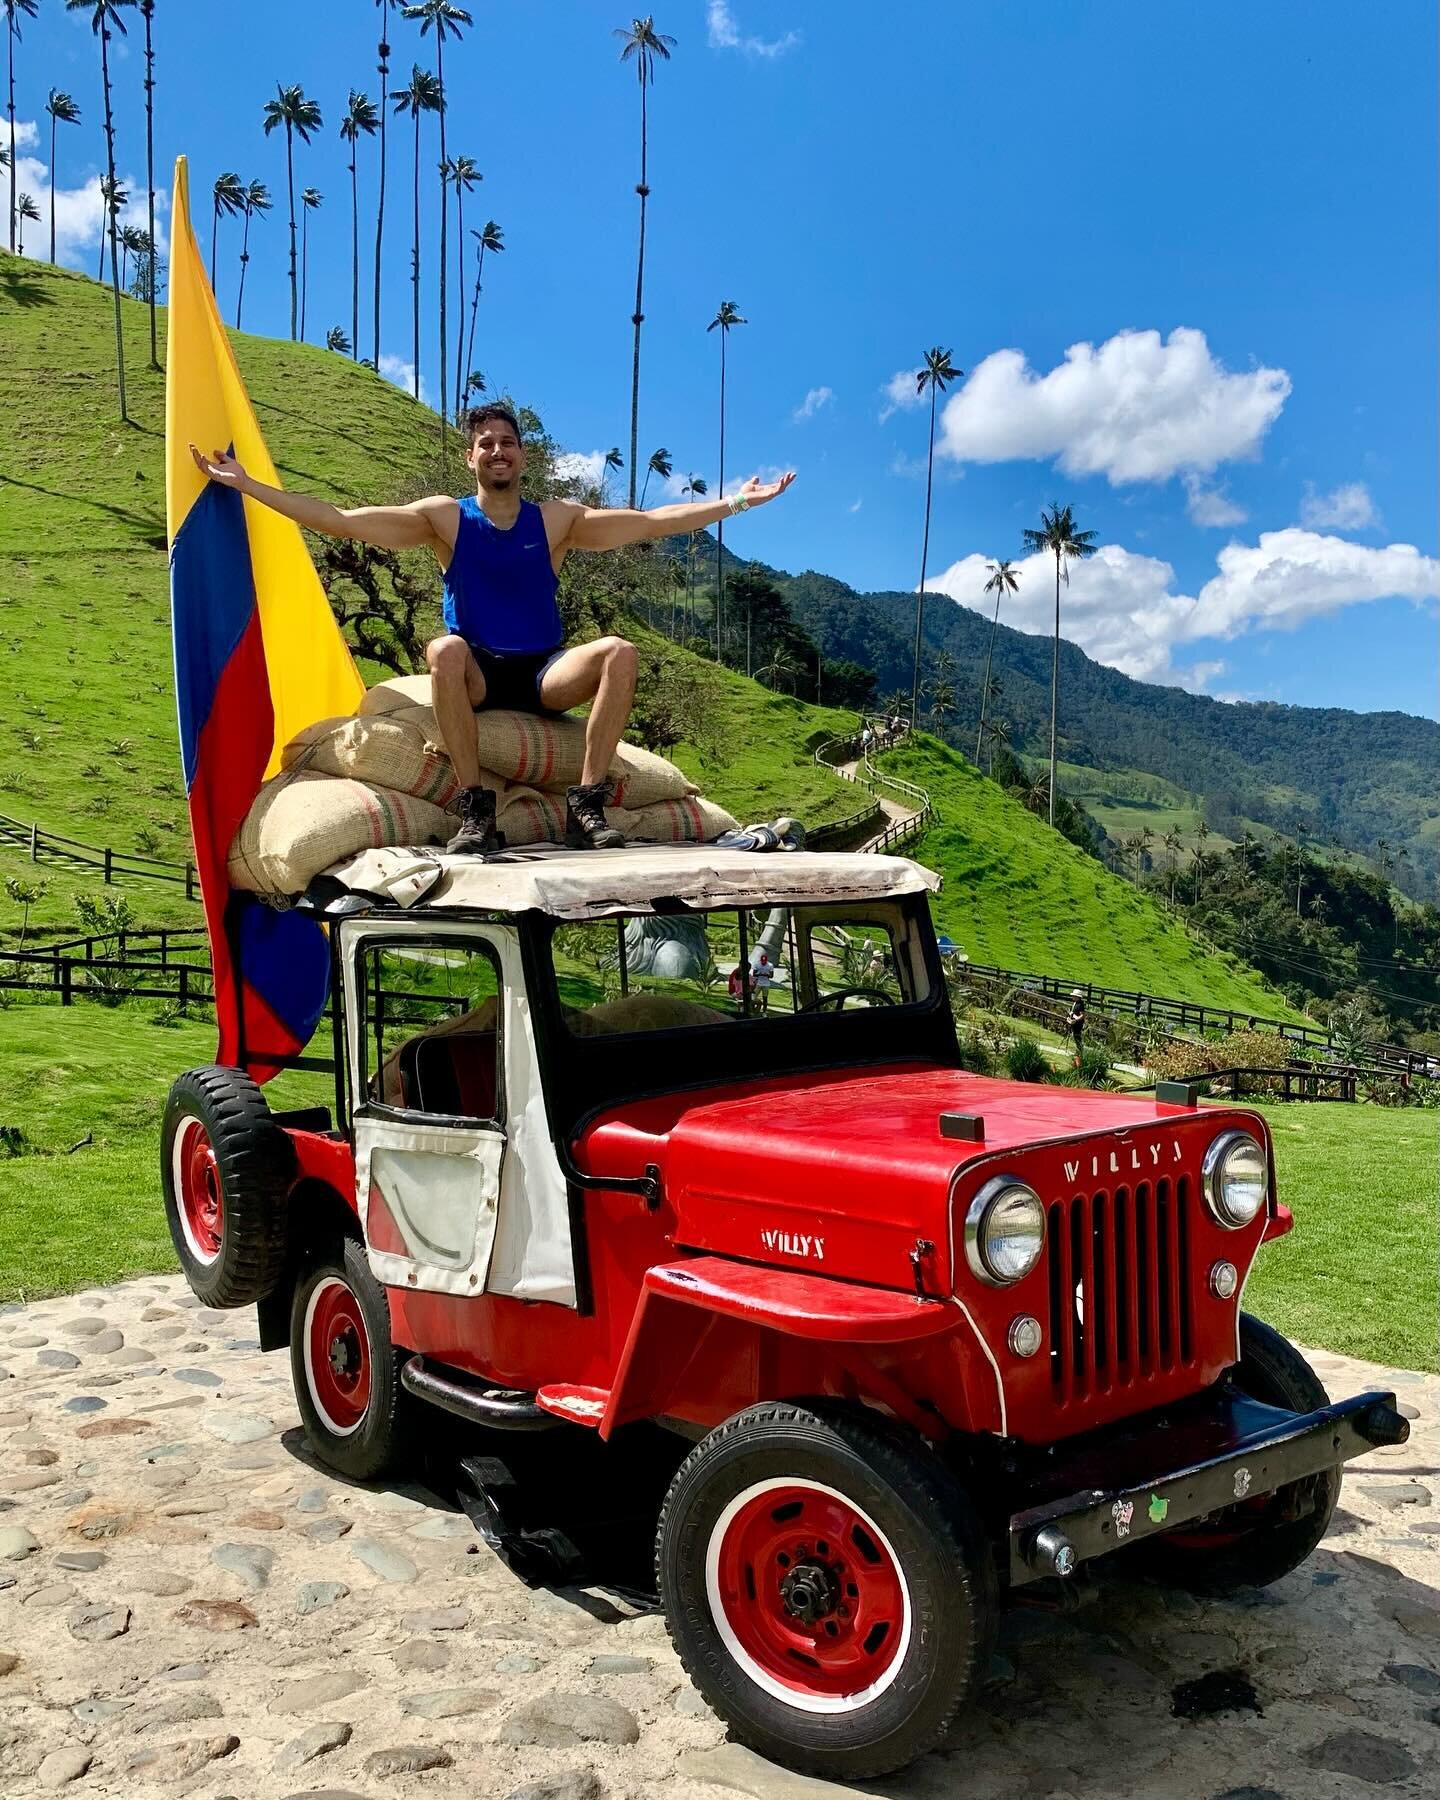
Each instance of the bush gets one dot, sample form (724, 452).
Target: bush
(974, 1053)
(1026, 1061)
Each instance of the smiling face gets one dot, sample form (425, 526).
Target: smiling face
(496, 456)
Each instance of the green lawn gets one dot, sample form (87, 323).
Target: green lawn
(1358, 1273)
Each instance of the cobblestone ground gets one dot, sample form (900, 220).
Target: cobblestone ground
(189, 1606)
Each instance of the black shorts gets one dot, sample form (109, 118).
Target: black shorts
(512, 683)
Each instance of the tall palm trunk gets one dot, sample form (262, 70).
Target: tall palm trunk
(720, 523)
(985, 685)
(304, 264)
(1054, 685)
(244, 264)
(290, 187)
(354, 250)
(53, 122)
(638, 317)
(924, 559)
(150, 176)
(474, 308)
(114, 254)
(214, 219)
(415, 261)
(444, 238)
(10, 33)
(460, 293)
(380, 197)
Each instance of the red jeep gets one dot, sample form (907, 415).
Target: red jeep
(935, 1338)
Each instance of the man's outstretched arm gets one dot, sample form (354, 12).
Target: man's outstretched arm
(414, 527)
(611, 528)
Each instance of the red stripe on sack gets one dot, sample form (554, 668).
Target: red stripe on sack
(545, 735)
(522, 754)
(370, 805)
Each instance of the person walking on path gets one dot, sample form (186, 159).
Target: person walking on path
(1075, 1024)
(503, 644)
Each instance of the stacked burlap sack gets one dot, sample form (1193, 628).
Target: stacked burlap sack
(382, 777)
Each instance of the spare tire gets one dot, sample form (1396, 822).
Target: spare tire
(226, 1168)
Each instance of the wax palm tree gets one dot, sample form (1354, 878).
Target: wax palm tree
(147, 13)
(936, 375)
(295, 112)
(105, 15)
(25, 208)
(63, 111)
(490, 237)
(464, 173)
(782, 667)
(1172, 842)
(445, 20)
(941, 695)
(659, 464)
(310, 201)
(14, 11)
(726, 317)
(360, 120)
(257, 200)
(1197, 856)
(612, 460)
(113, 200)
(642, 44)
(134, 241)
(1003, 580)
(1060, 537)
(228, 197)
(695, 486)
(423, 95)
(383, 70)
(1037, 794)
(998, 732)
(335, 339)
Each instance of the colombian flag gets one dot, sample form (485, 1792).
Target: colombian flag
(258, 656)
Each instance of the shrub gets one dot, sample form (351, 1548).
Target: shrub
(974, 1053)
(1026, 1061)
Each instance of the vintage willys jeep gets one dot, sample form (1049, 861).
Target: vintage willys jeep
(937, 1339)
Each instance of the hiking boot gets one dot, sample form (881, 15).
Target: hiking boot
(585, 824)
(477, 835)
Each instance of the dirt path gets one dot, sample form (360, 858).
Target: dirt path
(189, 1606)
(895, 811)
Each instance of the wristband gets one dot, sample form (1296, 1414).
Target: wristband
(738, 504)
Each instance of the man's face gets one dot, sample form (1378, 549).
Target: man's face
(496, 456)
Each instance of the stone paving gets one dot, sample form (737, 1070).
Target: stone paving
(188, 1605)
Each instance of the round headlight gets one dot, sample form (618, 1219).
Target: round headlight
(1004, 1231)
(1235, 1178)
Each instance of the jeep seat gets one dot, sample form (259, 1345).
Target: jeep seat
(453, 1073)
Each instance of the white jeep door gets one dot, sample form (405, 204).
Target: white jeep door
(457, 1182)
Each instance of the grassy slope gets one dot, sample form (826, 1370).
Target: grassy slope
(1018, 895)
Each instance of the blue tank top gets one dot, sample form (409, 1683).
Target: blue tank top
(500, 586)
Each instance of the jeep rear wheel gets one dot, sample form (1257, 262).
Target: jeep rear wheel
(345, 1369)
(226, 1168)
(1255, 1541)
(827, 1586)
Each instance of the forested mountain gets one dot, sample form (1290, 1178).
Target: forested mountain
(1363, 780)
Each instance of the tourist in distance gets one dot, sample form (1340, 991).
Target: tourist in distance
(503, 645)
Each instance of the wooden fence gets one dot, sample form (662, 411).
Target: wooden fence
(115, 865)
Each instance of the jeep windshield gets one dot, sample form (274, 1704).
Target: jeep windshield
(681, 999)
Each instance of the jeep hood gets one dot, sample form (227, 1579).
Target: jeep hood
(841, 1172)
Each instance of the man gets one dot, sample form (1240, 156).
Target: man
(503, 646)
(1075, 1024)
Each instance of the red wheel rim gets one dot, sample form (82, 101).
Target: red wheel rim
(337, 1356)
(198, 1192)
(808, 1594)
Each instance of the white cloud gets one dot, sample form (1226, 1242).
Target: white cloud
(855, 505)
(1349, 507)
(813, 401)
(1138, 408)
(587, 466)
(1121, 608)
(725, 34)
(79, 211)
(402, 372)
(1210, 505)
(901, 394)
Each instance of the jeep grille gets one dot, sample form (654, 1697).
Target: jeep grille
(1119, 1282)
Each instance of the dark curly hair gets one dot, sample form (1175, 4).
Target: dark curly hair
(480, 415)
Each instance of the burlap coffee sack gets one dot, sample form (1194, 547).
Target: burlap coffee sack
(531, 817)
(388, 751)
(301, 822)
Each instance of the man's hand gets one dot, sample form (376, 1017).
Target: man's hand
(756, 492)
(220, 467)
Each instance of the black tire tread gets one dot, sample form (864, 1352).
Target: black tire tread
(257, 1164)
(895, 1454)
(381, 1443)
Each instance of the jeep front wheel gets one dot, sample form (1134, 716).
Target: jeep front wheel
(827, 1586)
(225, 1168)
(345, 1369)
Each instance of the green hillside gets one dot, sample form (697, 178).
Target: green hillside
(87, 735)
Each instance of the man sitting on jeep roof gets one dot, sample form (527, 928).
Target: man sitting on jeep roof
(503, 643)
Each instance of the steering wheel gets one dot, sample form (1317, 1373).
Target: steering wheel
(876, 996)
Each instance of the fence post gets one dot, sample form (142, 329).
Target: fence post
(108, 854)
(34, 843)
(189, 881)
(65, 978)
(184, 984)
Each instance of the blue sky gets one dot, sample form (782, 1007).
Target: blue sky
(1233, 206)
